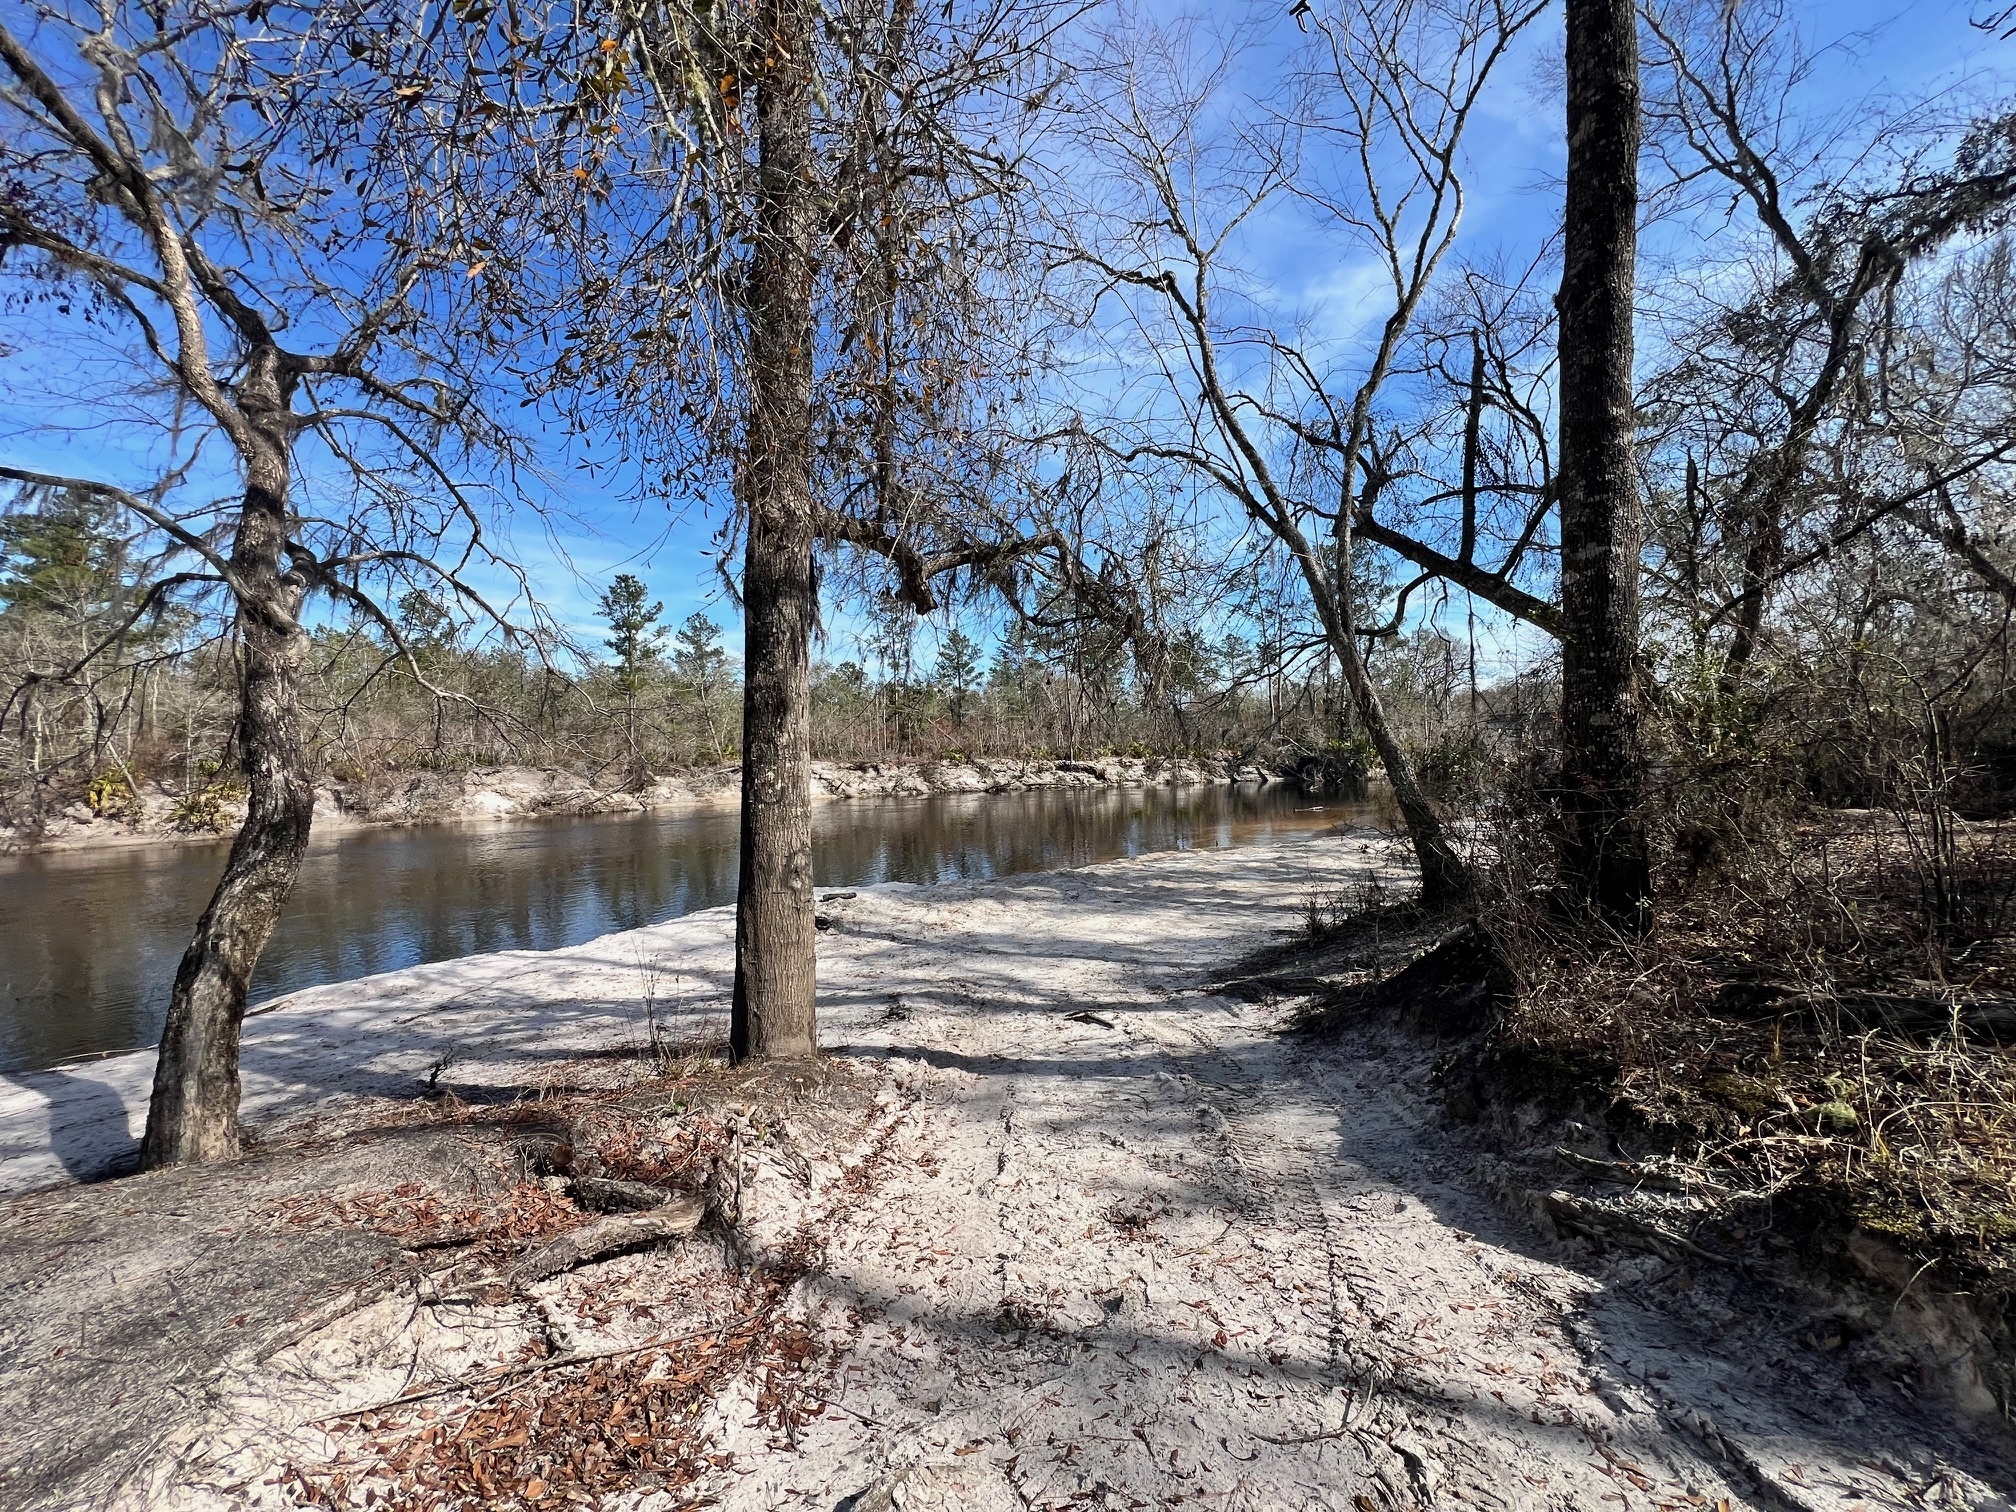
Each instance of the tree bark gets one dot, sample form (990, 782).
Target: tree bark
(775, 978)
(193, 1114)
(1445, 879)
(1604, 855)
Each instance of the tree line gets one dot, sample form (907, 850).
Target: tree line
(950, 310)
(644, 697)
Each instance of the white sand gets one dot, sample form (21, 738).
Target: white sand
(1315, 1308)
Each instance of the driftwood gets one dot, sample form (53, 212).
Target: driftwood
(608, 1236)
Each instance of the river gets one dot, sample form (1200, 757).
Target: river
(89, 940)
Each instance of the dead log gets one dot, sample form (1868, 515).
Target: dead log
(613, 1235)
(1634, 1174)
(1915, 1015)
(1607, 1225)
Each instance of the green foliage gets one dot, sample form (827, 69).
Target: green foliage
(698, 662)
(958, 671)
(66, 558)
(1350, 757)
(703, 705)
(110, 796)
(636, 637)
(424, 621)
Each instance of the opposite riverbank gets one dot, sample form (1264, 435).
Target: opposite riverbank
(160, 815)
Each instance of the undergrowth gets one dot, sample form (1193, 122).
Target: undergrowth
(1825, 1019)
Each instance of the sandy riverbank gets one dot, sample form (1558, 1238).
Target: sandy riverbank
(1065, 1228)
(529, 792)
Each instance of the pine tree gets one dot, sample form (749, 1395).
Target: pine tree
(700, 674)
(635, 634)
(66, 558)
(637, 639)
(958, 671)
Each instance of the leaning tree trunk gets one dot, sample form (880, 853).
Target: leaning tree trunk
(1604, 855)
(774, 1005)
(193, 1115)
(1445, 878)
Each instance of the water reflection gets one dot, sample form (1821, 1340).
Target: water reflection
(89, 941)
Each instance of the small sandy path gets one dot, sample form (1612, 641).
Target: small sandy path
(1257, 1273)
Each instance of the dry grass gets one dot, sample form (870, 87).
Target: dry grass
(1827, 1022)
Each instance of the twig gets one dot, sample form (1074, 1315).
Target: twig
(1204, 1248)
(850, 1411)
(1310, 1438)
(530, 1367)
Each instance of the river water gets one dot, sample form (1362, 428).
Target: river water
(89, 940)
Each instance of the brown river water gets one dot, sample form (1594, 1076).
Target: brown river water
(89, 940)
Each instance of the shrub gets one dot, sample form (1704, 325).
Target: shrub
(111, 796)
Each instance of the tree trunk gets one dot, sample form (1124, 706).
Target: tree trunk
(775, 977)
(1760, 561)
(1445, 879)
(193, 1115)
(1604, 855)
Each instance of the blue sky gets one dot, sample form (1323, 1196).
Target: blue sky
(59, 408)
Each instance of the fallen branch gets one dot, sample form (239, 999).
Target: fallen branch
(1629, 1173)
(1288, 1440)
(509, 1372)
(607, 1236)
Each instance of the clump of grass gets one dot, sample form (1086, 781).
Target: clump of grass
(1327, 913)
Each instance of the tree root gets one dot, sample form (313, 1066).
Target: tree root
(611, 1235)
(1594, 1221)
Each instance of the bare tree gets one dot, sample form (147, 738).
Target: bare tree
(1814, 333)
(191, 171)
(1296, 432)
